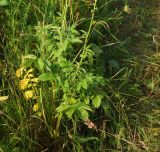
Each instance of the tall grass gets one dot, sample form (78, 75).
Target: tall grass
(70, 79)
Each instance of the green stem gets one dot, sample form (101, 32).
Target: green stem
(89, 31)
(43, 113)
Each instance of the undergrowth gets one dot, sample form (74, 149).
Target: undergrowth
(73, 77)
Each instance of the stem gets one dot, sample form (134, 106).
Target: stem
(83, 50)
(43, 113)
(89, 31)
(54, 95)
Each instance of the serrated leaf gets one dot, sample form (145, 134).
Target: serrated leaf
(69, 113)
(72, 100)
(96, 101)
(81, 110)
(46, 77)
(62, 107)
(84, 114)
(86, 107)
(87, 100)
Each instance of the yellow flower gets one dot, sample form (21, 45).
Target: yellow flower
(29, 94)
(30, 85)
(36, 107)
(3, 98)
(35, 80)
(127, 9)
(34, 84)
(29, 73)
(19, 72)
(23, 84)
(30, 76)
(30, 70)
(35, 97)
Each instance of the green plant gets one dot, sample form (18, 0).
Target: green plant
(57, 76)
(73, 78)
(3, 2)
(69, 71)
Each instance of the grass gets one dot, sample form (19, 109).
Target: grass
(79, 76)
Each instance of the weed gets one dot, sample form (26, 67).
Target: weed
(78, 76)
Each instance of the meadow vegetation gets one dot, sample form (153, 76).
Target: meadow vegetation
(79, 76)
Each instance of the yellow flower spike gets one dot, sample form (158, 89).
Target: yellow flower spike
(19, 72)
(23, 84)
(34, 84)
(29, 73)
(35, 80)
(35, 97)
(36, 107)
(30, 76)
(30, 85)
(30, 70)
(127, 9)
(3, 98)
(29, 94)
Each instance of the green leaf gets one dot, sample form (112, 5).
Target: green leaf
(69, 113)
(96, 101)
(105, 107)
(84, 84)
(4, 2)
(63, 107)
(79, 109)
(72, 101)
(79, 85)
(82, 111)
(30, 56)
(76, 40)
(40, 63)
(28, 63)
(114, 64)
(86, 100)
(46, 77)
(83, 114)
(97, 50)
(151, 85)
(84, 106)
(82, 139)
